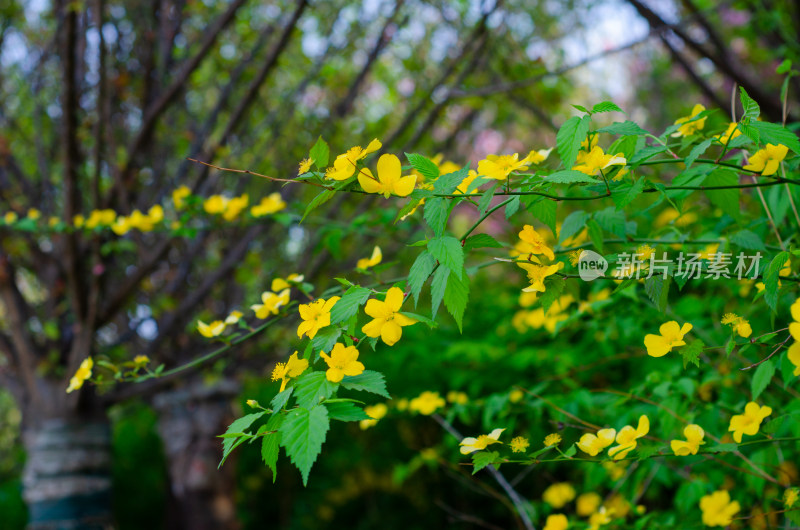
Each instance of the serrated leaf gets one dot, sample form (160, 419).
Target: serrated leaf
(486, 199)
(772, 133)
(606, 106)
(657, 289)
(723, 448)
(348, 304)
(448, 251)
(481, 459)
(326, 338)
(512, 206)
(321, 198)
(320, 153)
(424, 165)
(437, 210)
(574, 223)
(761, 378)
(625, 128)
(302, 434)
(280, 400)
(696, 151)
(420, 318)
(727, 200)
(545, 211)
(271, 445)
(481, 241)
(569, 176)
(554, 288)
(611, 220)
(346, 411)
(595, 234)
(569, 138)
(645, 154)
(238, 426)
(368, 381)
(690, 353)
(456, 294)
(772, 426)
(420, 271)
(312, 387)
(447, 184)
(771, 279)
(747, 239)
(624, 198)
(751, 108)
(438, 286)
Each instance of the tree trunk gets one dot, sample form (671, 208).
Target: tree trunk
(190, 419)
(67, 476)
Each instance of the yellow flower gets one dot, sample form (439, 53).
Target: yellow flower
(470, 445)
(794, 357)
(402, 404)
(376, 412)
(390, 180)
(749, 422)
(141, 360)
(121, 226)
(587, 144)
(644, 252)
(215, 204)
(768, 159)
(587, 503)
(730, 133)
(671, 336)
(345, 164)
(592, 444)
(101, 218)
(694, 439)
(179, 195)
(556, 521)
(519, 444)
(790, 497)
(279, 284)
(614, 470)
(83, 373)
(426, 403)
(688, 129)
(537, 157)
(316, 316)
(627, 436)
(34, 214)
(738, 324)
(794, 327)
(718, 510)
(342, 361)
(214, 329)
(291, 368)
(366, 263)
(53, 221)
(78, 220)
(537, 275)
(600, 518)
(552, 439)
(459, 398)
(235, 207)
(516, 395)
(499, 167)
(233, 317)
(596, 160)
(575, 257)
(388, 323)
(270, 303)
(559, 494)
(270, 204)
(535, 242)
(10, 217)
(252, 403)
(464, 186)
(305, 165)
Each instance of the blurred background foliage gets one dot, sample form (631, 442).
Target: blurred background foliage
(462, 78)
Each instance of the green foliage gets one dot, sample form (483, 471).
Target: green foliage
(302, 433)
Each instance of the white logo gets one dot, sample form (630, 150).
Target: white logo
(591, 265)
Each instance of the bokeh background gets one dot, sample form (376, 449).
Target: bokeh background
(102, 101)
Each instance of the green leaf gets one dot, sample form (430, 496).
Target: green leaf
(723, 448)
(611, 220)
(346, 411)
(238, 426)
(657, 289)
(568, 176)
(772, 133)
(368, 381)
(625, 128)
(772, 426)
(545, 211)
(486, 199)
(787, 370)
(420, 271)
(644, 154)
(302, 434)
(691, 352)
(512, 207)
(481, 241)
(280, 400)
(784, 67)
(271, 445)
(595, 234)
(761, 378)
(554, 287)
(624, 198)
(438, 286)
(751, 108)
(326, 338)
(322, 198)
(447, 184)
(606, 106)
(569, 138)
(421, 318)
(348, 304)
(581, 108)
(481, 459)
(456, 295)
(727, 200)
(424, 165)
(696, 151)
(573, 224)
(320, 153)
(437, 210)
(747, 239)
(448, 251)
(771, 279)
(406, 209)
(312, 387)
